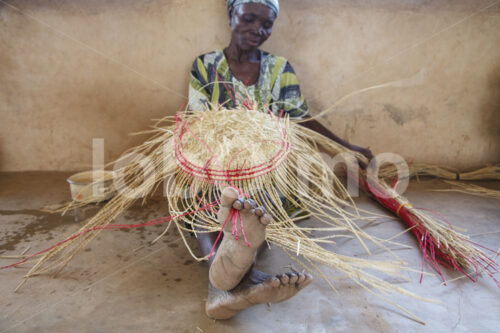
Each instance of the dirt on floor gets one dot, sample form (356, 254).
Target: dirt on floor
(121, 283)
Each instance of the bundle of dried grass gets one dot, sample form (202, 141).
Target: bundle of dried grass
(439, 242)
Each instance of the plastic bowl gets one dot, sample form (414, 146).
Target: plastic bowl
(92, 186)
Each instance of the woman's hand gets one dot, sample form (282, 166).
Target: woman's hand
(363, 151)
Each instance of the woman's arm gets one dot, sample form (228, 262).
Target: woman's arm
(317, 127)
(291, 101)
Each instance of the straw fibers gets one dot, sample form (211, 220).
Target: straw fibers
(471, 189)
(491, 172)
(197, 154)
(440, 243)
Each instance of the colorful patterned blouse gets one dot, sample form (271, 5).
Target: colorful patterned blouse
(277, 86)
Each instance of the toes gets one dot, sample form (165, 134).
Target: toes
(250, 204)
(308, 279)
(260, 211)
(238, 204)
(229, 195)
(284, 279)
(273, 282)
(293, 278)
(265, 219)
(301, 279)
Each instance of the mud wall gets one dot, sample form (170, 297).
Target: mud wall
(74, 70)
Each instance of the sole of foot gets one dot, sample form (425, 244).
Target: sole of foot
(238, 247)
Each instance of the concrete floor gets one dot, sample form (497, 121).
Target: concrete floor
(160, 288)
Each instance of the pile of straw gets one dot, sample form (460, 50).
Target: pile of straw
(199, 153)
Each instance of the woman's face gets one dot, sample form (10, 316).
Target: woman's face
(251, 25)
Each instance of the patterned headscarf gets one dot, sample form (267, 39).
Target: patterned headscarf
(273, 4)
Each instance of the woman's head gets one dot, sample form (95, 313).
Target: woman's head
(251, 21)
(272, 4)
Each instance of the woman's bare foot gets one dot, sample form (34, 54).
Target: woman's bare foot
(256, 288)
(234, 256)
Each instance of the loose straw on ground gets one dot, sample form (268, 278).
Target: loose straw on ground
(491, 172)
(197, 154)
(471, 189)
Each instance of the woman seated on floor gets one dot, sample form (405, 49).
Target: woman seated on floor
(228, 77)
